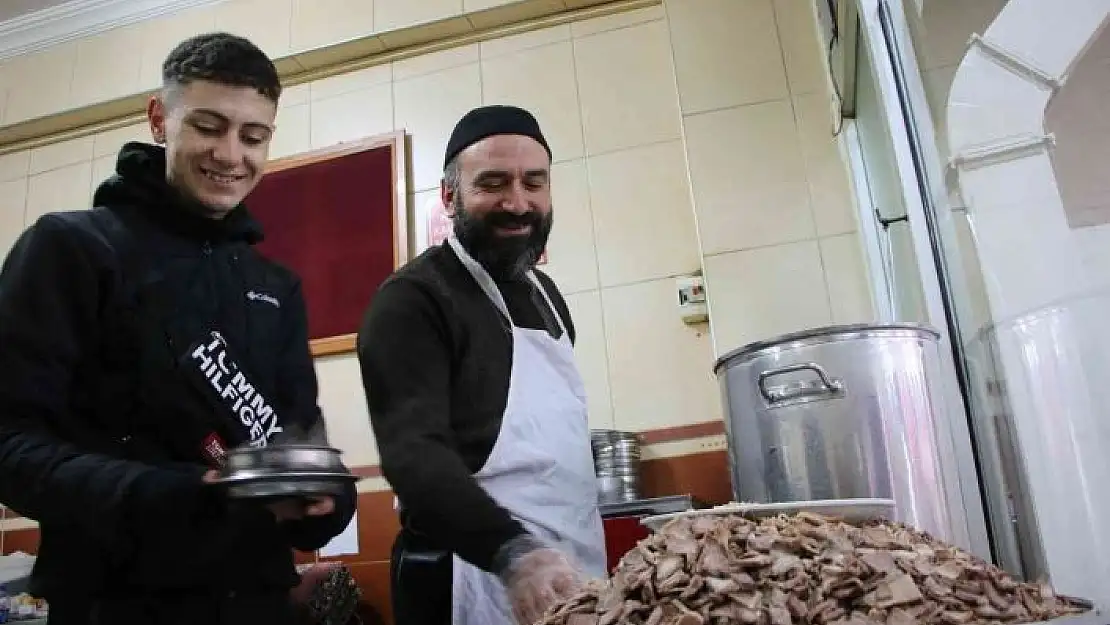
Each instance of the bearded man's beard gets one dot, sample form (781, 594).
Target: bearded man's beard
(504, 257)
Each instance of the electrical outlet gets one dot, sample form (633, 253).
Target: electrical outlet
(717, 443)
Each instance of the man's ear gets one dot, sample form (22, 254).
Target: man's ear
(447, 196)
(156, 116)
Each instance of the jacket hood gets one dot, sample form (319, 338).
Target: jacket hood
(140, 181)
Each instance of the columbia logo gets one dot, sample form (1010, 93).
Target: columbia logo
(262, 297)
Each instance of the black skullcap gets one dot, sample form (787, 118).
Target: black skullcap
(485, 121)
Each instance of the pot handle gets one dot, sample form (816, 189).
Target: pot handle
(824, 386)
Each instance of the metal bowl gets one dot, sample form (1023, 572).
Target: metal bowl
(288, 470)
(284, 458)
(287, 485)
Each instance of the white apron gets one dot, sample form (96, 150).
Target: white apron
(541, 468)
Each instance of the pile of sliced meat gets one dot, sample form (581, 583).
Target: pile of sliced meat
(790, 570)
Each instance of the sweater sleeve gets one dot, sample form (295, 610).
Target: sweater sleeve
(405, 358)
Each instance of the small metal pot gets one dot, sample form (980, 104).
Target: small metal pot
(284, 471)
(284, 458)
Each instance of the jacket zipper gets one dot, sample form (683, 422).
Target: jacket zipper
(210, 275)
(206, 251)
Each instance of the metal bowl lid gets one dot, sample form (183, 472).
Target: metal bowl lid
(247, 449)
(284, 456)
(813, 336)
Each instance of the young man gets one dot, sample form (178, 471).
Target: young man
(477, 406)
(108, 428)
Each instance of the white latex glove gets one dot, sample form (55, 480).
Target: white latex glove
(537, 580)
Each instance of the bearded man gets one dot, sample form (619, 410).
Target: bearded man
(476, 402)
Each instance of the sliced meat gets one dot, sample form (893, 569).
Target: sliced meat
(804, 569)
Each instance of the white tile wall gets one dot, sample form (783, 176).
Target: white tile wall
(15, 165)
(61, 154)
(659, 368)
(626, 87)
(108, 143)
(115, 49)
(830, 193)
(391, 14)
(571, 264)
(362, 113)
(801, 48)
(38, 78)
(643, 214)
(727, 53)
(850, 294)
(314, 22)
(65, 188)
(759, 293)
(749, 177)
(293, 133)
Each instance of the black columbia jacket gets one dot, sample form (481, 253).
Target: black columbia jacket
(105, 418)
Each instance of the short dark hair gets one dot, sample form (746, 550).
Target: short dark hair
(222, 58)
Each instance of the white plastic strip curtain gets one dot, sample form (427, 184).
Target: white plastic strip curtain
(1034, 277)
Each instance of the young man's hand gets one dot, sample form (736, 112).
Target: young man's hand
(290, 509)
(294, 509)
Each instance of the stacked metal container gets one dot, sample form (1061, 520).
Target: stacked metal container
(617, 464)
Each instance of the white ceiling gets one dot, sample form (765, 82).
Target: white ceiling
(14, 8)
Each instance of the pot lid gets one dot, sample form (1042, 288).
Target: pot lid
(823, 334)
